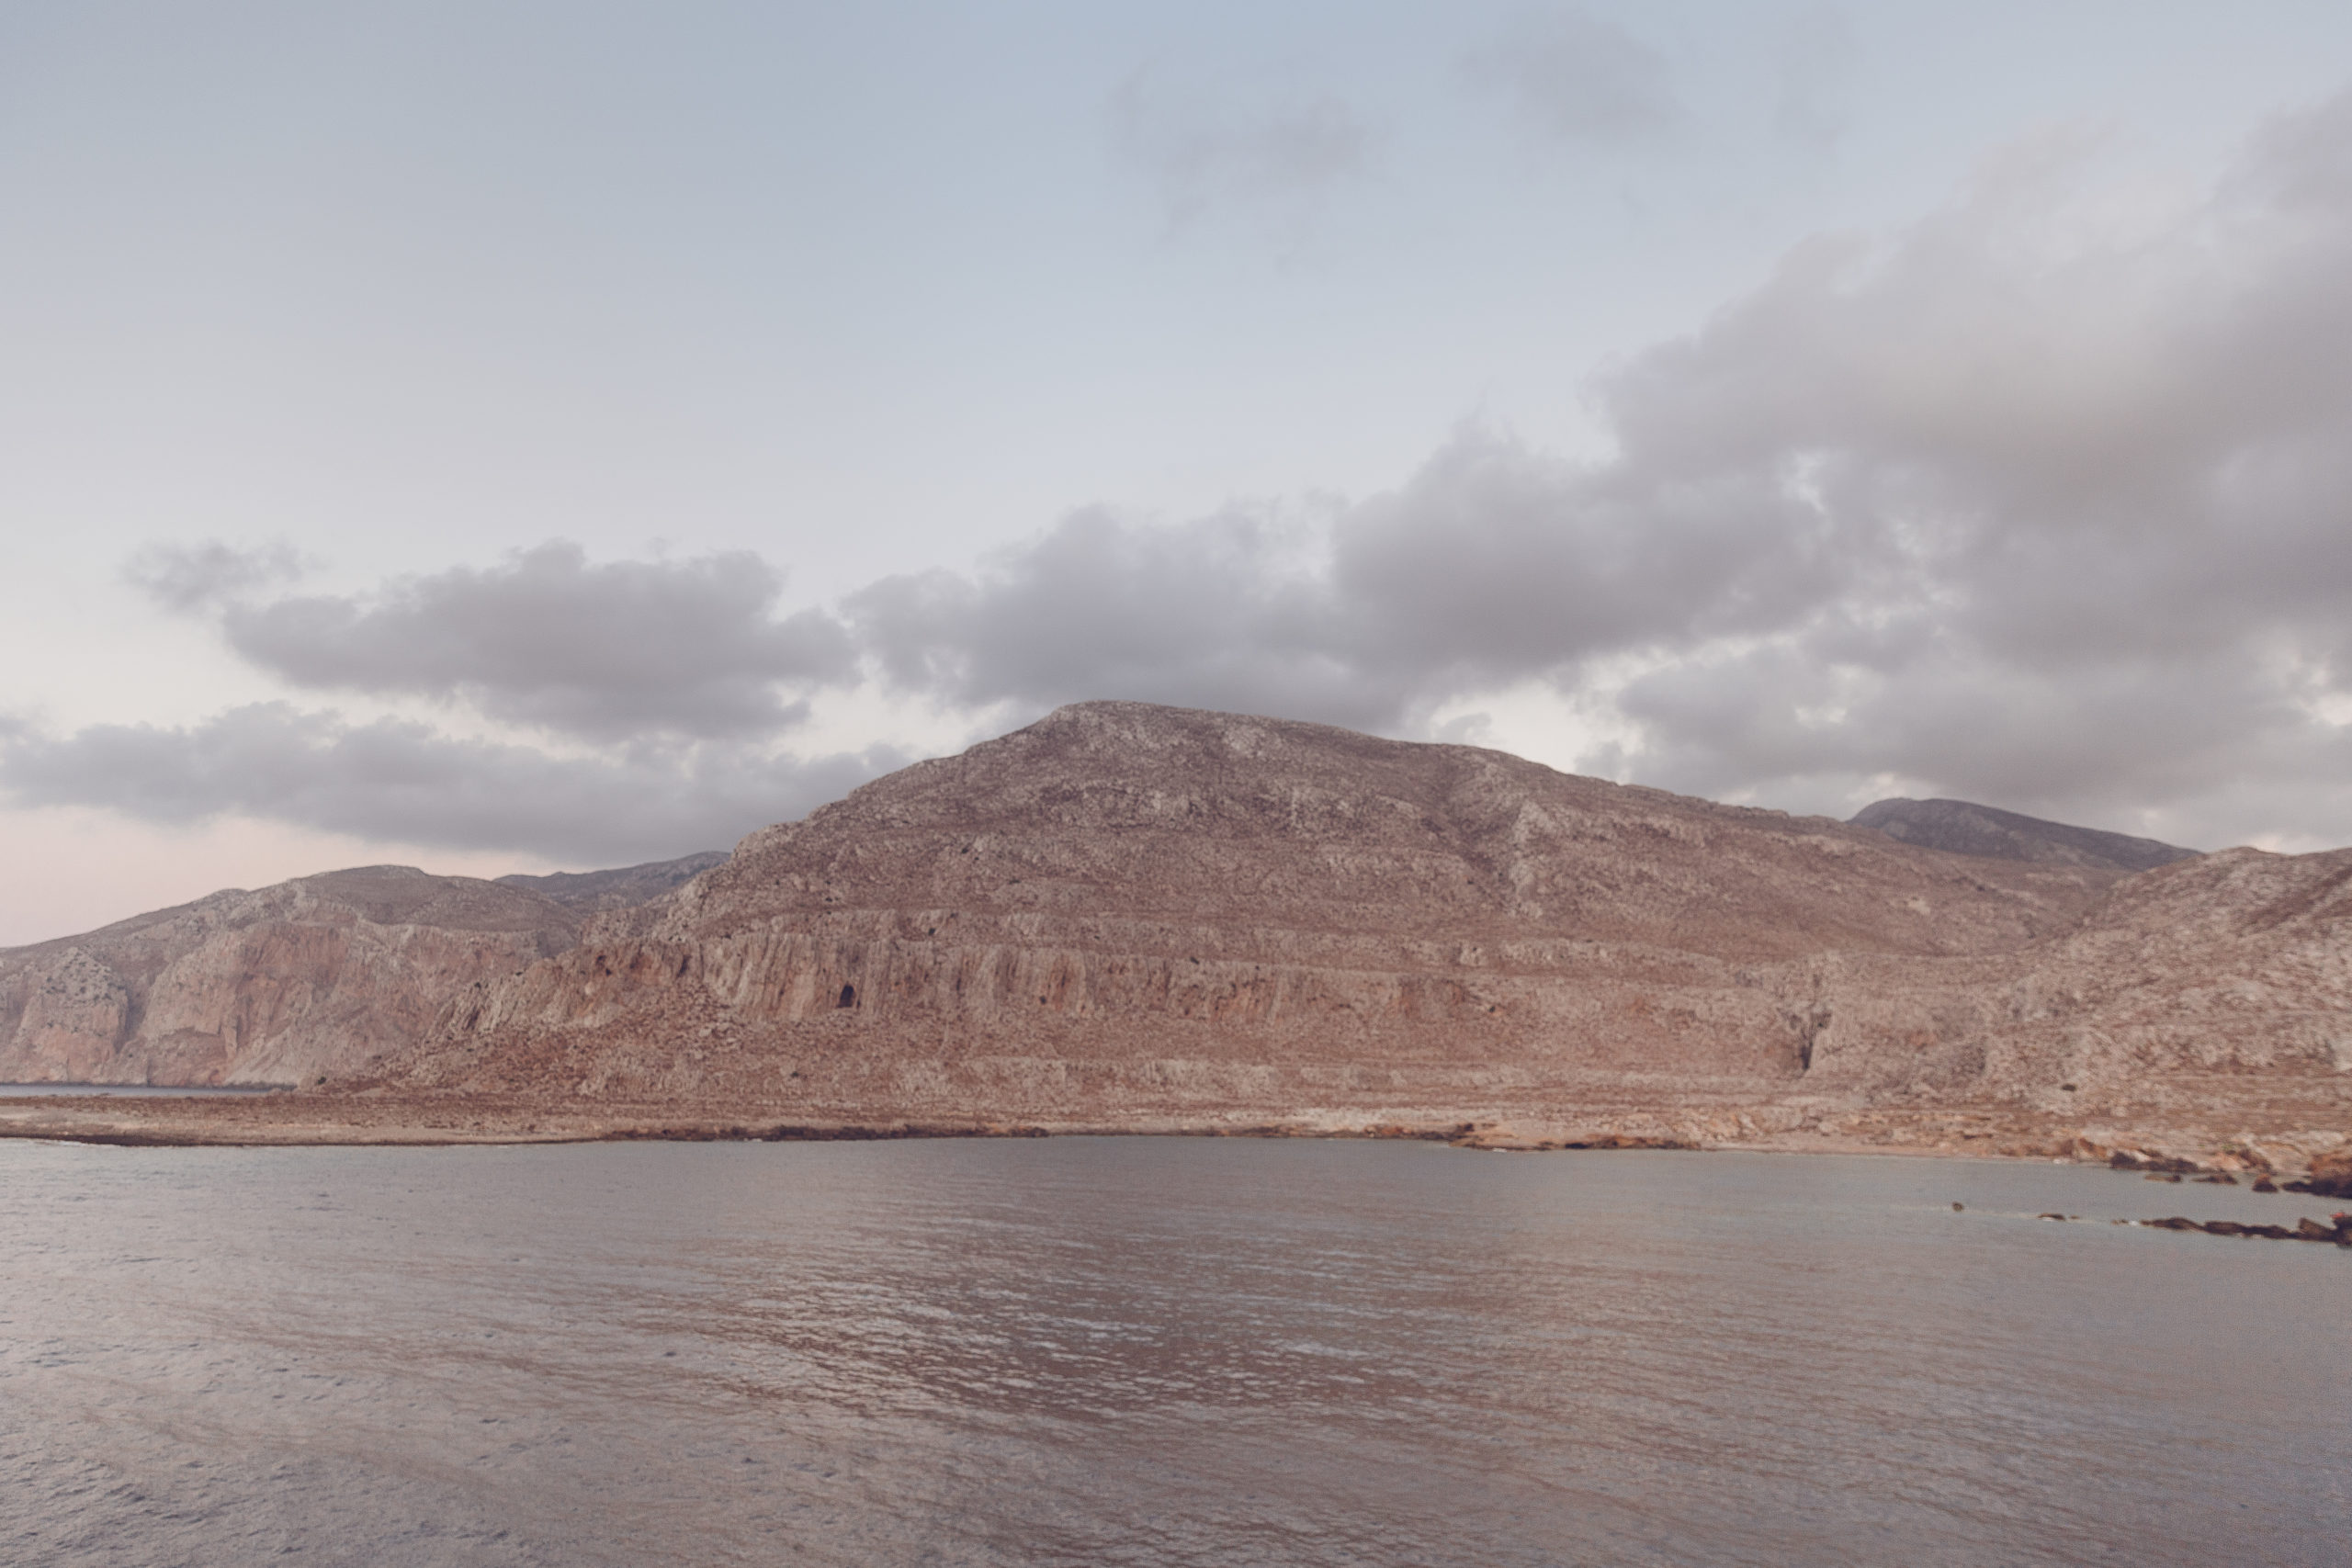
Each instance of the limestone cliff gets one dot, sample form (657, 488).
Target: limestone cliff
(1128, 915)
(1133, 910)
(322, 976)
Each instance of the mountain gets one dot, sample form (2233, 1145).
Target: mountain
(1135, 917)
(319, 976)
(592, 890)
(1158, 912)
(1965, 828)
(1132, 915)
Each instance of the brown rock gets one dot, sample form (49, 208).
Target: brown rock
(322, 976)
(591, 892)
(2331, 1174)
(1159, 911)
(1964, 828)
(1134, 916)
(1131, 910)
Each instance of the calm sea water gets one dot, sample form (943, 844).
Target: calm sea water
(1151, 1351)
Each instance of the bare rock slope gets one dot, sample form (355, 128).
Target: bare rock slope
(1138, 917)
(618, 889)
(1966, 829)
(318, 976)
(1135, 912)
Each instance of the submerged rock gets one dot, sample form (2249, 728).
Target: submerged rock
(2331, 1174)
(2340, 1233)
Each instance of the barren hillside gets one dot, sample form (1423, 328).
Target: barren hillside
(1127, 915)
(1134, 909)
(320, 975)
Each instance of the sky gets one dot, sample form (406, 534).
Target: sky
(529, 436)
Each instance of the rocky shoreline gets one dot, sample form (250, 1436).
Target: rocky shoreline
(2340, 1234)
(2283, 1158)
(2282, 1162)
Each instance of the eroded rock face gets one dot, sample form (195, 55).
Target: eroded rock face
(1152, 908)
(320, 977)
(1964, 828)
(74, 1010)
(589, 891)
(1126, 912)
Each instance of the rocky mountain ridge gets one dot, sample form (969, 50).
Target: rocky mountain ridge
(1141, 911)
(1964, 828)
(317, 977)
(1129, 916)
(616, 889)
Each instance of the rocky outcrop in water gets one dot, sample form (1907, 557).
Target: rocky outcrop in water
(2338, 1235)
(2331, 1174)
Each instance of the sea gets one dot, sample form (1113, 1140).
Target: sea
(1154, 1351)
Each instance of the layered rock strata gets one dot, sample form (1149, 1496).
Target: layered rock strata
(1135, 917)
(320, 977)
(1127, 911)
(1966, 829)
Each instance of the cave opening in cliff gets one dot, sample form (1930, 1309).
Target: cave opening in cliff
(849, 996)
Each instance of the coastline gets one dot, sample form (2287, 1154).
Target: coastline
(2280, 1146)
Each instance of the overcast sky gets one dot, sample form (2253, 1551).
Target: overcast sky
(547, 435)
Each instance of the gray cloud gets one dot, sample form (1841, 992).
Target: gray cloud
(2108, 487)
(191, 579)
(1994, 506)
(596, 650)
(1492, 564)
(2013, 504)
(1213, 612)
(1281, 158)
(1578, 77)
(1817, 52)
(390, 780)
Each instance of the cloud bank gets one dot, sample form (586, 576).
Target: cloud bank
(1578, 78)
(407, 782)
(598, 652)
(2045, 500)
